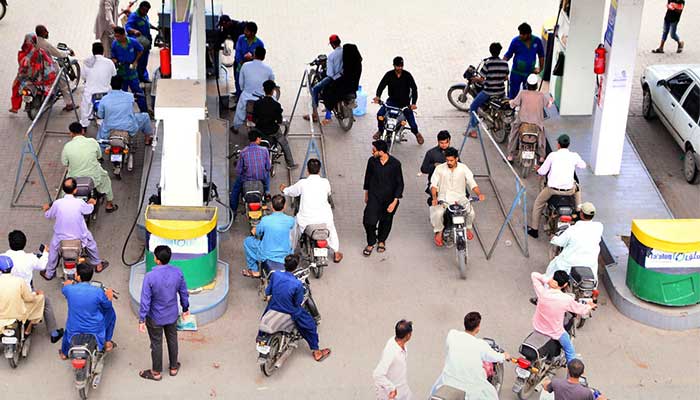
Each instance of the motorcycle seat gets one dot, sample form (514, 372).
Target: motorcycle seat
(537, 345)
(118, 138)
(317, 231)
(84, 339)
(274, 321)
(253, 191)
(70, 249)
(582, 273)
(557, 201)
(85, 186)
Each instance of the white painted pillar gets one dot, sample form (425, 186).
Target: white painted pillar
(581, 35)
(620, 39)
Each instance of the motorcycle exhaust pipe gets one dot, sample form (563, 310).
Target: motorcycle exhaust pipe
(285, 355)
(96, 381)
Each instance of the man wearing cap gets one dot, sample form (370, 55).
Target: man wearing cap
(532, 103)
(334, 69)
(580, 244)
(559, 167)
(403, 93)
(17, 301)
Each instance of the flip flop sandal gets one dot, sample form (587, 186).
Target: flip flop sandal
(249, 274)
(657, 51)
(148, 374)
(367, 251)
(381, 248)
(177, 369)
(114, 346)
(337, 260)
(105, 265)
(324, 354)
(61, 355)
(111, 210)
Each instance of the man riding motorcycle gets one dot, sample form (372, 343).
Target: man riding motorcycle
(17, 301)
(493, 76)
(285, 294)
(117, 112)
(334, 70)
(580, 244)
(435, 157)
(532, 104)
(449, 185)
(270, 240)
(251, 78)
(253, 165)
(267, 115)
(464, 362)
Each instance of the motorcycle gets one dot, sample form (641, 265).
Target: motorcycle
(541, 357)
(342, 110)
(527, 148)
(313, 245)
(558, 212)
(87, 361)
(34, 95)
(119, 151)
(70, 65)
(455, 231)
(496, 113)
(3, 8)
(278, 335)
(87, 191)
(394, 125)
(71, 253)
(494, 374)
(584, 286)
(270, 142)
(254, 201)
(15, 343)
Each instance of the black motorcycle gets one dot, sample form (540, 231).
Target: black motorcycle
(342, 110)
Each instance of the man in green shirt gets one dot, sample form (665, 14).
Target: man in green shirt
(81, 155)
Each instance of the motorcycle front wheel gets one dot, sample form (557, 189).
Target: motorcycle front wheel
(458, 97)
(34, 107)
(74, 74)
(462, 262)
(528, 389)
(3, 10)
(268, 367)
(14, 360)
(497, 380)
(580, 322)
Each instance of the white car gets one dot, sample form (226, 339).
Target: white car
(672, 92)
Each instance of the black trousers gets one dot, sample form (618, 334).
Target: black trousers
(377, 221)
(155, 334)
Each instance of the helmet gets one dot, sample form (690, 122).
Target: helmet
(532, 79)
(6, 264)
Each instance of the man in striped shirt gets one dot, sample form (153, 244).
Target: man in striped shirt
(493, 77)
(253, 165)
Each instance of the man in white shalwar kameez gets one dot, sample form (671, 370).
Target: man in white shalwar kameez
(252, 76)
(390, 375)
(97, 73)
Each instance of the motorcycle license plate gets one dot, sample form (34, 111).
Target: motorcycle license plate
(255, 214)
(116, 158)
(263, 349)
(522, 373)
(458, 220)
(528, 155)
(319, 252)
(9, 340)
(27, 99)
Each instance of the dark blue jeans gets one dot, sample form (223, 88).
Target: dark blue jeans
(408, 113)
(139, 96)
(516, 83)
(670, 27)
(479, 101)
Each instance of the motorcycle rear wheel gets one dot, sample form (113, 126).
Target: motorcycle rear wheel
(318, 271)
(457, 97)
(525, 167)
(497, 380)
(74, 74)
(268, 367)
(34, 107)
(346, 123)
(3, 10)
(500, 132)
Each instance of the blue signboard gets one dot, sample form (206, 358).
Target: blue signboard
(611, 23)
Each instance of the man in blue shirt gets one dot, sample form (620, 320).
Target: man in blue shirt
(285, 294)
(251, 78)
(117, 113)
(527, 50)
(159, 311)
(90, 311)
(271, 238)
(126, 53)
(139, 27)
(245, 50)
(334, 70)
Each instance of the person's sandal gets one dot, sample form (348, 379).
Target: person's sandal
(148, 374)
(337, 257)
(680, 47)
(367, 251)
(111, 210)
(658, 51)
(381, 248)
(105, 265)
(324, 354)
(174, 371)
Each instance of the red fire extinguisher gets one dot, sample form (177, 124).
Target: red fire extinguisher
(599, 63)
(165, 70)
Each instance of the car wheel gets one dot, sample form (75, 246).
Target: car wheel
(690, 167)
(647, 104)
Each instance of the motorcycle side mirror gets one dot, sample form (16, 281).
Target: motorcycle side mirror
(661, 82)
(62, 47)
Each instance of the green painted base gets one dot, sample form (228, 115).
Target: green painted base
(198, 272)
(660, 288)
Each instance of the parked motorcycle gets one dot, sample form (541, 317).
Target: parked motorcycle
(496, 113)
(119, 151)
(15, 343)
(3, 8)
(87, 361)
(342, 110)
(541, 357)
(70, 65)
(313, 245)
(527, 148)
(278, 335)
(494, 374)
(395, 125)
(455, 232)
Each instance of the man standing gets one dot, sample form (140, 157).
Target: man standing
(390, 375)
(314, 207)
(267, 115)
(383, 188)
(159, 311)
(90, 311)
(570, 388)
(98, 72)
(251, 78)
(81, 155)
(253, 165)
(449, 185)
(24, 265)
(552, 305)
(580, 244)
(69, 213)
(403, 92)
(334, 70)
(270, 240)
(105, 22)
(527, 50)
(493, 77)
(139, 27)
(674, 9)
(42, 42)
(464, 362)
(126, 53)
(17, 301)
(559, 166)
(117, 112)
(245, 50)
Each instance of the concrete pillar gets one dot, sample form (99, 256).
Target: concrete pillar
(620, 39)
(581, 35)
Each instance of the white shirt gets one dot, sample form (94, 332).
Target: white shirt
(559, 166)
(452, 184)
(334, 63)
(24, 264)
(390, 373)
(313, 207)
(464, 369)
(580, 245)
(98, 72)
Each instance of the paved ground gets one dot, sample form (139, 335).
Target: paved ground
(361, 298)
